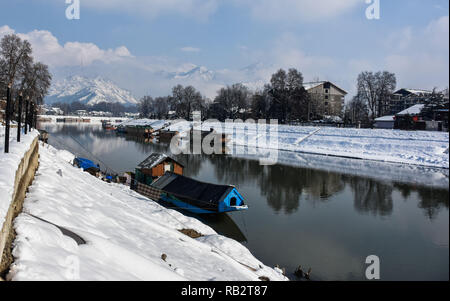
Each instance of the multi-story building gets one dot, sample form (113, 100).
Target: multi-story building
(406, 98)
(328, 98)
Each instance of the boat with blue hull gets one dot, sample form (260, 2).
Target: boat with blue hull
(87, 165)
(195, 196)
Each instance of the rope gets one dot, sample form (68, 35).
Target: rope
(94, 156)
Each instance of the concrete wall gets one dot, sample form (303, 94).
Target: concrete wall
(24, 176)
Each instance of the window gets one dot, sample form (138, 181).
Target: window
(326, 96)
(232, 202)
(327, 91)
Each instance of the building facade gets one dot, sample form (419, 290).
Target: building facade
(328, 98)
(406, 98)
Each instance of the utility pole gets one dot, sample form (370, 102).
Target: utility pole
(19, 117)
(26, 113)
(7, 112)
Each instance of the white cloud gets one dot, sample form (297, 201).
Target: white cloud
(422, 59)
(190, 49)
(47, 49)
(4, 30)
(299, 10)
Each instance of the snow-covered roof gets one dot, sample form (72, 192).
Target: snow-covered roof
(155, 124)
(385, 118)
(312, 85)
(309, 86)
(413, 91)
(414, 110)
(155, 159)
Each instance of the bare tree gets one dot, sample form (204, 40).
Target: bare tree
(356, 111)
(161, 107)
(186, 100)
(233, 101)
(376, 89)
(145, 106)
(15, 56)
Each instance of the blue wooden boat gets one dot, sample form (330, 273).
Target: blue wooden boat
(87, 165)
(198, 197)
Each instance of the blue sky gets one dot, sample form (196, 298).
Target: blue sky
(324, 39)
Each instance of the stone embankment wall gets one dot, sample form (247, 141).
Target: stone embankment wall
(24, 177)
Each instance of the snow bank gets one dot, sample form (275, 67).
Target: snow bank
(9, 164)
(126, 234)
(406, 147)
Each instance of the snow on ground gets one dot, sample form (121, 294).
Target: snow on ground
(155, 124)
(406, 147)
(126, 234)
(381, 171)
(9, 164)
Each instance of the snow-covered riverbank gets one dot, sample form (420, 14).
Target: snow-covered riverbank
(128, 237)
(9, 163)
(394, 146)
(422, 148)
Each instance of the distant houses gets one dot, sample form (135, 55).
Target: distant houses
(405, 98)
(385, 122)
(416, 118)
(416, 109)
(328, 97)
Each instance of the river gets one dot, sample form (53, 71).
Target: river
(320, 212)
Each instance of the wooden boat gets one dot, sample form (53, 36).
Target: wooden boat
(107, 125)
(87, 165)
(196, 196)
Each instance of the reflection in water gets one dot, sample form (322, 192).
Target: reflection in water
(311, 214)
(431, 201)
(371, 196)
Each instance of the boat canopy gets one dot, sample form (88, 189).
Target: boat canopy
(207, 193)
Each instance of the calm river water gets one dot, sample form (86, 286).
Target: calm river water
(320, 212)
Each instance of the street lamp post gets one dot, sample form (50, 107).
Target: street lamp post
(19, 117)
(26, 113)
(7, 112)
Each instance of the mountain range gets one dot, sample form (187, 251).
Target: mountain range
(89, 91)
(85, 84)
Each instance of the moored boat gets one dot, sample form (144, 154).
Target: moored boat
(198, 197)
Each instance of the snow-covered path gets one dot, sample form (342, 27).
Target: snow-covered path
(126, 234)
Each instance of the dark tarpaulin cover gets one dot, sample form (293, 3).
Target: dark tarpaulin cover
(192, 189)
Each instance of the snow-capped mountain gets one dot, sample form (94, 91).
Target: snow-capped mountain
(191, 71)
(89, 91)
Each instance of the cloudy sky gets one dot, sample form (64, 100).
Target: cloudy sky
(146, 45)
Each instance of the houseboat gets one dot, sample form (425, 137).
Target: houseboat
(160, 177)
(155, 166)
(198, 197)
(108, 125)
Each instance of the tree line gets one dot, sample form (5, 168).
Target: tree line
(23, 83)
(284, 98)
(21, 73)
